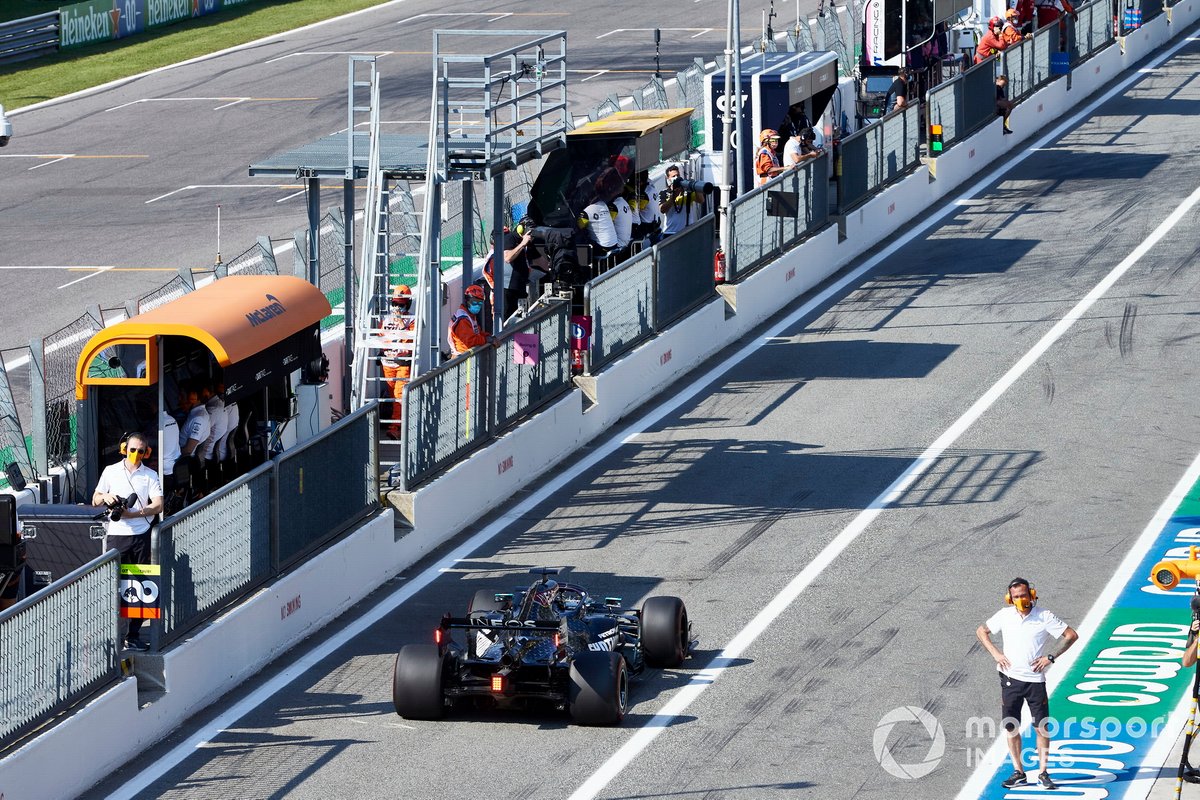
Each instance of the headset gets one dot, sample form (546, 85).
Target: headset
(123, 449)
(1020, 582)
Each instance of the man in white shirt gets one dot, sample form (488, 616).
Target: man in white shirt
(679, 207)
(600, 228)
(217, 423)
(622, 222)
(170, 438)
(225, 446)
(1022, 664)
(130, 535)
(195, 429)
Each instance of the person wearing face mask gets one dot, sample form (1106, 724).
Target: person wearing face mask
(1022, 664)
(130, 535)
(465, 330)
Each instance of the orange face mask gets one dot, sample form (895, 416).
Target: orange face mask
(134, 457)
(1023, 604)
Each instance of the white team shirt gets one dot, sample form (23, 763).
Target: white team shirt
(645, 210)
(1024, 639)
(170, 440)
(196, 426)
(232, 418)
(217, 422)
(623, 222)
(143, 481)
(791, 152)
(600, 225)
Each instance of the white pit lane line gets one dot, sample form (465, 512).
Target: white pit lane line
(643, 736)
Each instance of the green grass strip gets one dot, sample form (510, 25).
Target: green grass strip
(63, 73)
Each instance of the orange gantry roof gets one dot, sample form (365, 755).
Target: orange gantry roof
(234, 317)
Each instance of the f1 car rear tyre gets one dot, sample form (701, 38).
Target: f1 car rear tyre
(599, 690)
(417, 682)
(664, 631)
(484, 600)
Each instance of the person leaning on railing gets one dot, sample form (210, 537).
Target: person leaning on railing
(465, 330)
(801, 148)
(991, 42)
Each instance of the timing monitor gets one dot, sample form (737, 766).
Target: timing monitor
(10, 544)
(872, 94)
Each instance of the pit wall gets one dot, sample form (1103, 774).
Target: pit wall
(200, 669)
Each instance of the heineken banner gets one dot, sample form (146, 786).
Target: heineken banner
(103, 20)
(100, 21)
(168, 12)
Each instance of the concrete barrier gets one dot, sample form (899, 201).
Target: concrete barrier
(1183, 15)
(1096, 73)
(782, 281)
(877, 218)
(1145, 40)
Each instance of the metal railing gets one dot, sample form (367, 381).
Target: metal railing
(212, 552)
(460, 405)
(1093, 29)
(683, 271)
(221, 548)
(774, 217)
(58, 646)
(878, 155)
(621, 305)
(518, 389)
(12, 438)
(965, 103)
(325, 486)
(30, 37)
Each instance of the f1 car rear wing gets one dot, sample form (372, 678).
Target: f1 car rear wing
(514, 625)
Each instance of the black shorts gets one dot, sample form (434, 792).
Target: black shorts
(134, 549)
(1015, 693)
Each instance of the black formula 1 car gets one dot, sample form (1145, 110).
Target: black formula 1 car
(551, 643)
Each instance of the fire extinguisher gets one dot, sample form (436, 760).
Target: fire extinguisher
(581, 340)
(719, 267)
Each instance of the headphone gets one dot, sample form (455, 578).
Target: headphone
(1020, 582)
(123, 447)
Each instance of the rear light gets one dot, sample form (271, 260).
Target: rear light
(437, 636)
(497, 683)
(557, 640)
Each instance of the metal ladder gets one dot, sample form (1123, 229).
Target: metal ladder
(375, 331)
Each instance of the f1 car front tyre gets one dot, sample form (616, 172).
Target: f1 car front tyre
(664, 631)
(599, 690)
(417, 682)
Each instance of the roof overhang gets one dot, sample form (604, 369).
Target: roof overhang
(234, 317)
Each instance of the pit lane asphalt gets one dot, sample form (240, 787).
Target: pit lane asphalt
(144, 139)
(725, 500)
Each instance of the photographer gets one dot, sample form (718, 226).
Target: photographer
(679, 206)
(128, 528)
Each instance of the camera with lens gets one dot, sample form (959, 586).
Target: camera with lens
(699, 187)
(116, 509)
